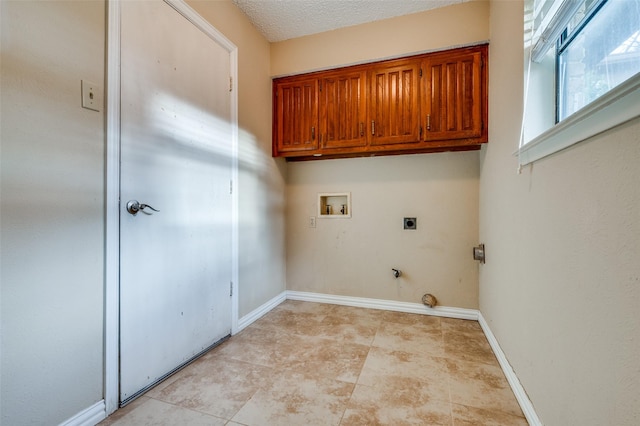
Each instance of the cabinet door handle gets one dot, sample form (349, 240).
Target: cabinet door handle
(313, 133)
(428, 121)
(373, 127)
(361, 129)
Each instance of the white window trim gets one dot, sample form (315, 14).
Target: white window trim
(616, 107)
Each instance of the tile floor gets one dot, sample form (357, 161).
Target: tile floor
(316, 364)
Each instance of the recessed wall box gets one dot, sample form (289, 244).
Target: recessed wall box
(334, 205)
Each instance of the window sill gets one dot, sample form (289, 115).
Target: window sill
(616, 107)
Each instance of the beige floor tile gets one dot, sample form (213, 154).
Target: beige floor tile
(299, 365)
(157, 413)
(470, 416)
(482, 386)
(469, 347)
(350, 313)
(460, 325)
(217, 386)
(268, 347)
(409, 319)
(328, 358)
(389, 366)
(345, 333)
(416, 337)
(464, 339)
(346, 323)
(288, 321)
(396, 402)
(325, 321)
(297, 399)
(297, 306)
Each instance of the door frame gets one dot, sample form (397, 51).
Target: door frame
(112, 189)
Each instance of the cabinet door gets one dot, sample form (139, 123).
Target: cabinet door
(343, 110)
(394, 114)
(296, 115)
(453, 97)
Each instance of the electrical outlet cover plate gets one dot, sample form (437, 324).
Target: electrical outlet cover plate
(410, 223)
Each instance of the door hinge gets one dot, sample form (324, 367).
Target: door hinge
(231, 84)
(320, 86)
(230, 187)
(231, 289)
(420, 72)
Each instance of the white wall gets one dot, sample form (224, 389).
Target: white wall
(261, 186)
(354, 257)
(52, 211)
(561, 287)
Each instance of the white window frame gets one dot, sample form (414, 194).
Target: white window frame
(616, 107)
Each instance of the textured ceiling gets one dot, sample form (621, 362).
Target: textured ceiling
(281, 20)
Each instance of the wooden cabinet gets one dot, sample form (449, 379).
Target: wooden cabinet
(343, 110)
(394, 114)
(453, 96)
(295, 115)
(426, 103)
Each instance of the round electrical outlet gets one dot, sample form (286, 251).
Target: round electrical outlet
(410, 223)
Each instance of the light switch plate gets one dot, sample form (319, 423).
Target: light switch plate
(91, 96)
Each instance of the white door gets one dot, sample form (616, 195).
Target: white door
(176, 158)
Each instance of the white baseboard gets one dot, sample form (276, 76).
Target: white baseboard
(257, 313)
(512, 378)
(89, 416)
(387, 305)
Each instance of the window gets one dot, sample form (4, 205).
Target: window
(595, 56)
(584, 74)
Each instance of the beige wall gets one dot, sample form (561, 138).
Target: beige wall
(52, 211)
(354, 257)
(436, 29)
(261, 185)
(561, 287)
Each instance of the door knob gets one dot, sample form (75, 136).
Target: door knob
(134, 207)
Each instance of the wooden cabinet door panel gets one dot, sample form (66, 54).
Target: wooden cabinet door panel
(425, 103)
(453, 97)
(343, 110)
(394, 114)
(296, 115)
